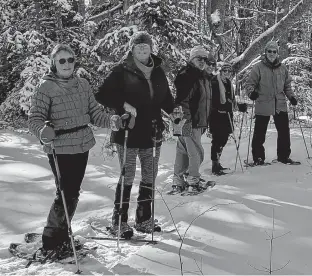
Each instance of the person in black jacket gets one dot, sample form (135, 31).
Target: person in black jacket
(221, 119)
(194, 95)
(137, 85)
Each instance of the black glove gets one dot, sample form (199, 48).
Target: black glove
(293, 101)
(254, 95)
(242, 107)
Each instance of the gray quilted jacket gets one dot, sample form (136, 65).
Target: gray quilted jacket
(67, 104)
(273, 83)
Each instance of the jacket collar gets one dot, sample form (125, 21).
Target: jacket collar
(129, 64)
(269, 64)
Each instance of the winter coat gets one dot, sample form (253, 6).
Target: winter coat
(219, 118)
(126, 83)
(68, 104)
(194, 95)
(272, 82)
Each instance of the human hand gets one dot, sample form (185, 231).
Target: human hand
(254, 95)
(293, 101)
(47, 134)
(129, 108)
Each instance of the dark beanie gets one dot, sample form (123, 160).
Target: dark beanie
(141, 38)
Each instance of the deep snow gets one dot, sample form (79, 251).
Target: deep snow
(232, 238)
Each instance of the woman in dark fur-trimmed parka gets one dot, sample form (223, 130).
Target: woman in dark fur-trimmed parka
(137, 85)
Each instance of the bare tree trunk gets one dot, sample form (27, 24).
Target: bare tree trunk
(256, 47)
(82, 8)
(284, 51)
(199, 15)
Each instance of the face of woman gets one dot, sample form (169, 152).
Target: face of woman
(142, 52)
(65, 64)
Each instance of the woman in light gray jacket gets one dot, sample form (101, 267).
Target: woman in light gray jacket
(68, 103)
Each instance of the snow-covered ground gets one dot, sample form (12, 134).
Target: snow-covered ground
(230, 238)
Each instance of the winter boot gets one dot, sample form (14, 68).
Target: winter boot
(125, 230)
(217, 169)
(143, 221)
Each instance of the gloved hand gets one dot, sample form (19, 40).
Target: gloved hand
(47, 134)
(178, 123)
(242, 107)
(130, 109)
(293, 101)
(178, 126)
(254, 95)
(121, 122)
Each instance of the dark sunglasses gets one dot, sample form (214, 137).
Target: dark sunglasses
(272, 51)
(69, 60)
(202, 59)
(211, 64)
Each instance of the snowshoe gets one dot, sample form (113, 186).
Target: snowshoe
(198, 188)
(260, 162)
(146, 226)
(126, 232)
(59, 254)
(286, 161)
(176, 189)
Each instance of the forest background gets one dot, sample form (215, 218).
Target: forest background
(234, 31)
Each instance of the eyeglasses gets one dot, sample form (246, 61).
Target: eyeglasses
(69, 60)
(272, 51)
(211, 64)
(227, 71)
(201, 59)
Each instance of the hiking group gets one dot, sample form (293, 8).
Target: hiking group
(137, 92)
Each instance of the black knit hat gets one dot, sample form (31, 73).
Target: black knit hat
(141, 38)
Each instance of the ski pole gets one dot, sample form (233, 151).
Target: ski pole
(239, 137)
(123, 173)
(305, 144)
(234, 137)
(59, 186)
(154, 125)
(252, 110)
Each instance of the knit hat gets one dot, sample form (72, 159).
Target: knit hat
(226, 65)
(141, 38)
(198, 51)
(271, 45)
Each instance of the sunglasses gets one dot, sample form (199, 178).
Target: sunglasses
(272, 51)
(211, 64)
(202, 59)
(69, 60)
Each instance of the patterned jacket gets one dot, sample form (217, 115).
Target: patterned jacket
(68, 104)
(272, 82)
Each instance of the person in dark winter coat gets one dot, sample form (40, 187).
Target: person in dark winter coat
(268, 85)
(194, 95)
(221, 118)
(67, 101)
(137, 85)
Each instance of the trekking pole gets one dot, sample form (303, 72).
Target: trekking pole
(239, 138)
(234, 137)
(252, 110)
(305, 144)
(122, 185)
(59, 186)
(154, 126)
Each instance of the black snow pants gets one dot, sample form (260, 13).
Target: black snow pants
(72, 169)
(283, 136)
